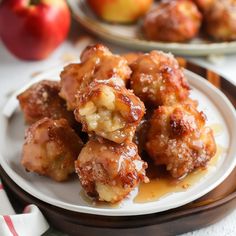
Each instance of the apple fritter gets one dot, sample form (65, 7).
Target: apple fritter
(51, 148)
(172, 21)
(220, 20)
(42, 100)
(179, 139)
(109, 171)
(157, 79)
(110, 111)
(97, 63)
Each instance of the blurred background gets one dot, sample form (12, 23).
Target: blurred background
(38, 35)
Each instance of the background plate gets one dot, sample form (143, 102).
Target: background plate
(130, 36)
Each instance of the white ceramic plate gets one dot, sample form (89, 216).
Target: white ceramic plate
(68, 195)
(130, 36)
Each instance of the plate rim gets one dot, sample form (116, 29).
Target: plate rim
(184, 211)
(107, 212)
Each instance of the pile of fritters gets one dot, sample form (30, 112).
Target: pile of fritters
(108, 97)
(181, 20)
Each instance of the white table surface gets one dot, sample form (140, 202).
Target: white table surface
(14, 73)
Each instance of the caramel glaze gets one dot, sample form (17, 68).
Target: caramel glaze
(161, 184)
(117, 167)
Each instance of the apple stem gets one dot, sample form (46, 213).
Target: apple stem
(34, 2)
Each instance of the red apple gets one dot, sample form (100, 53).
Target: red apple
(120, 11)
(32, 29)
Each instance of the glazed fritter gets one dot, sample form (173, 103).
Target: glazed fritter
(97, 63)
(110, 111)
(109, 171)
(158, 80)
(179, 139)
(51, 148)
(42, 100)
(220, 20)
(172, 21)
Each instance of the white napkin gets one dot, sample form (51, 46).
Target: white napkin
(30, 223)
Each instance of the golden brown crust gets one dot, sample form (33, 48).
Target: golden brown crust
(178, 139)
(110, 111)
(50, 148)
(172, 21)
(110, 171)
(42, 100)
(220, 20)
(97, 63)
(157, 79)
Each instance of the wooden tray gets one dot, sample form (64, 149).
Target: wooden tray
(200, 213)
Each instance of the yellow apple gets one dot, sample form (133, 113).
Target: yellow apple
(120, 11)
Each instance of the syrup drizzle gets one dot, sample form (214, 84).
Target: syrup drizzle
(163, 185)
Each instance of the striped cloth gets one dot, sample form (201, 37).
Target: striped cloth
(30, 223)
